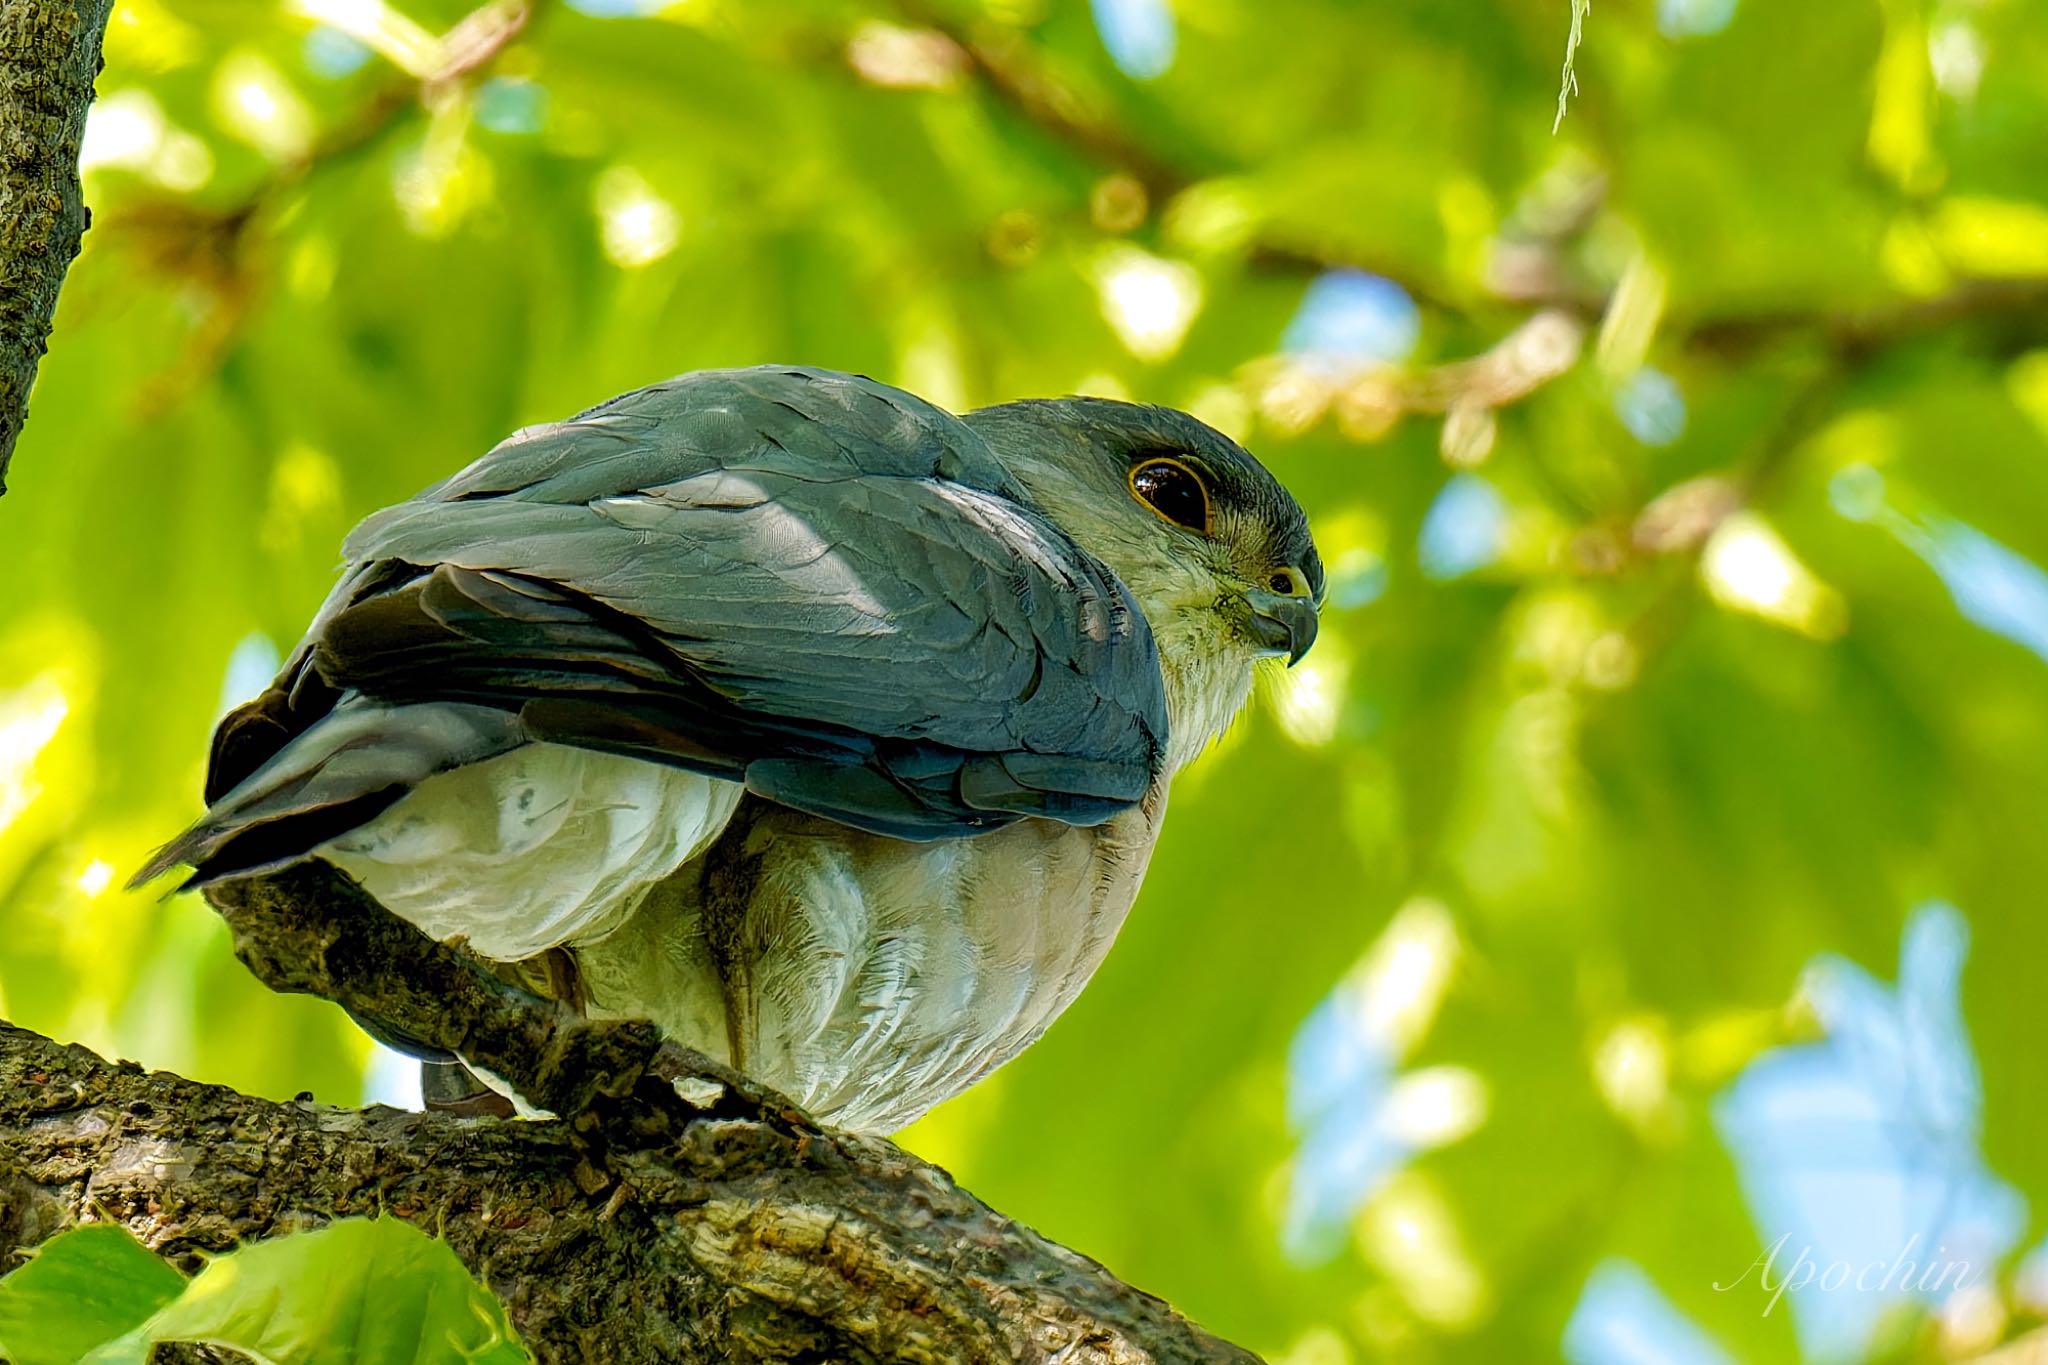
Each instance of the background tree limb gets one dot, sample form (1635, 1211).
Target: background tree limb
(49, 55)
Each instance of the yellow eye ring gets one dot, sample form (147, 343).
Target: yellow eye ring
(1174, 492)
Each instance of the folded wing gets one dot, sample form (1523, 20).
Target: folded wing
(807, 582)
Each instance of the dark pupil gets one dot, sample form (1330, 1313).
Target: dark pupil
(1175, 493)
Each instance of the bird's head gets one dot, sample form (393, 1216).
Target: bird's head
(1215, 551)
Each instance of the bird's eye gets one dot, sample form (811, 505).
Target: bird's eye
(1174, 491)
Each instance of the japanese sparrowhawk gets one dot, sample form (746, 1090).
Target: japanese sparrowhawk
(827, 730)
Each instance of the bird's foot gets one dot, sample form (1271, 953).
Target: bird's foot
(449, 1088)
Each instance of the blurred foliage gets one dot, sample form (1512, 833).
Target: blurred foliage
(1683, 476)
(359, 1291)
(82, 1288)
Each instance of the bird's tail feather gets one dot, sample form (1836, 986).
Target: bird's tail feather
(344, 770)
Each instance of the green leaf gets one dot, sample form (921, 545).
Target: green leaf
(82, 1287)
(357, 1292)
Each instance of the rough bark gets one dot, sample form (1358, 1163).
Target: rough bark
(49, 55)
(683, 1214)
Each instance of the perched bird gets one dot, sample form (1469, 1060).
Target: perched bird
(827, 730)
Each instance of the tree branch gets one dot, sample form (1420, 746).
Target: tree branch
(309, 930)
(1016, 76)
(212, 245)
(682, 1214)
(729, 1239)
(49, 55)
(1011, 70)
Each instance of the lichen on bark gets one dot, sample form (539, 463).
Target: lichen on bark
(637, 1232)
(49, 56)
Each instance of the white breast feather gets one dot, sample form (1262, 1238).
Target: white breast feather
(538, 847)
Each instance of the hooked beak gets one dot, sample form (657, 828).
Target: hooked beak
(1282, 624)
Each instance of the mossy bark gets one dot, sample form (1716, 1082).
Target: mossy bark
(49, 55)
(681, 1214)
(737, 1238)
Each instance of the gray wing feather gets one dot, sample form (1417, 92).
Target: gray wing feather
(329, 777)
(834, 587)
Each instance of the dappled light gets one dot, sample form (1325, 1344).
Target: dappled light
(1748, 567)
(1622, 1318)
(1150, 302)
(639, 226)
(1641, 873)
(1870, 1139)
(29, 718)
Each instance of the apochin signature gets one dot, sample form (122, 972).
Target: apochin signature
(1872, 1277)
